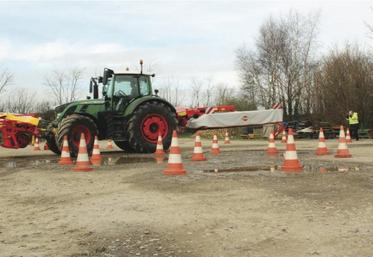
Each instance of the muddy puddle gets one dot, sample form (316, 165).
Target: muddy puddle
(246, 168)
(324, 168)
(112, 160)
(37, 161)
(23, 162)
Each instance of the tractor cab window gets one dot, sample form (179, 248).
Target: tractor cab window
(125, 86)
(144, 86)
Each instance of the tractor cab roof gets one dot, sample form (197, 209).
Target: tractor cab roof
(134, 74)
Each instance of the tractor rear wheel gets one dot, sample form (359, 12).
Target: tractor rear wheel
(73, 126)
(147, 121)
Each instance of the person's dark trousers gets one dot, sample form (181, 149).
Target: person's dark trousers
(354, 129)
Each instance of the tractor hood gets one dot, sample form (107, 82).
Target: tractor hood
(89, 106)
(62, 107)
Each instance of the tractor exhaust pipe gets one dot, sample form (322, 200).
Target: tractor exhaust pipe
(141, 63)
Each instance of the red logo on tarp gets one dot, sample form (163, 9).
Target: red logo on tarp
(245, 118)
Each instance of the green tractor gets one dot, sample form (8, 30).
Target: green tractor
(128, 113)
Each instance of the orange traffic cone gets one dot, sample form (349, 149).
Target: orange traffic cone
(342, 151)
(109, 144)
(226, 139)
(82, 162)
(36, 144)
(46, 147)
(215, 150)
(271, 150)
(96, 158)
(348, 136)
(175, 165)
(283, 138)
(291, 162)
(321, 148)
(159, 152)
(197, 151)
(65, 153)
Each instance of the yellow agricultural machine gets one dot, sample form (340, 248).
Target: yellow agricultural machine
(17, 130)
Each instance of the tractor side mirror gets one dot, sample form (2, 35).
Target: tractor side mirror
(156, 91)
(107, 74)
(90, 86)
(95, 91)
(99, 79)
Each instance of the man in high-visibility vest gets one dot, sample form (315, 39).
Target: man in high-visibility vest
(353, 123)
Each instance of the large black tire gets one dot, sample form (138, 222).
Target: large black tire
(136, 137)
(125, 146)
(71, 126)
(52, 144)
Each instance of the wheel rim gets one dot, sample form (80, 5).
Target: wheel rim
(23, 139)
(152, 125)
(77, 131)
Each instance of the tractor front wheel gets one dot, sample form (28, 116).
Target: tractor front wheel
(147, 122)
(52, 144)
(73, 126)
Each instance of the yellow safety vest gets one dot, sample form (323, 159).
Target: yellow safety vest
(353, 119)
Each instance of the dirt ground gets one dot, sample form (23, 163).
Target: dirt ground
(128, 208)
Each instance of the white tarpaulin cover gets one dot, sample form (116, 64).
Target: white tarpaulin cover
(236, 119)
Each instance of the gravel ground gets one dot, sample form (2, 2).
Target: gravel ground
(128, 208)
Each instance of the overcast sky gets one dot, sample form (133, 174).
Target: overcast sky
(182, 39)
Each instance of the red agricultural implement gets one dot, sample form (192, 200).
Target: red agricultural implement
(16, 131)
(185, 114)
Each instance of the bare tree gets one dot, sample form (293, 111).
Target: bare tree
(170, 89)
(20, 101)
(64, 85)
(281, 66)
(208, 93)
(345, 82)
(196, 86)
(5, 79)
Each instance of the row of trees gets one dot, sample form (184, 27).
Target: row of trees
(284, 67)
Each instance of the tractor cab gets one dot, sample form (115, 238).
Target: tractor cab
(123, 88)
(120, 89)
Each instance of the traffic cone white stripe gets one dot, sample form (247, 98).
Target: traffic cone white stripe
(290, 139)
(271, 145)
(198, 149)
(175, 142)
(342, 146)
(159, 143)
(82, 158)
(82, 143)
(283, 139)
(174, 158)
(65, 154)
(291, 155)
(322, 145)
